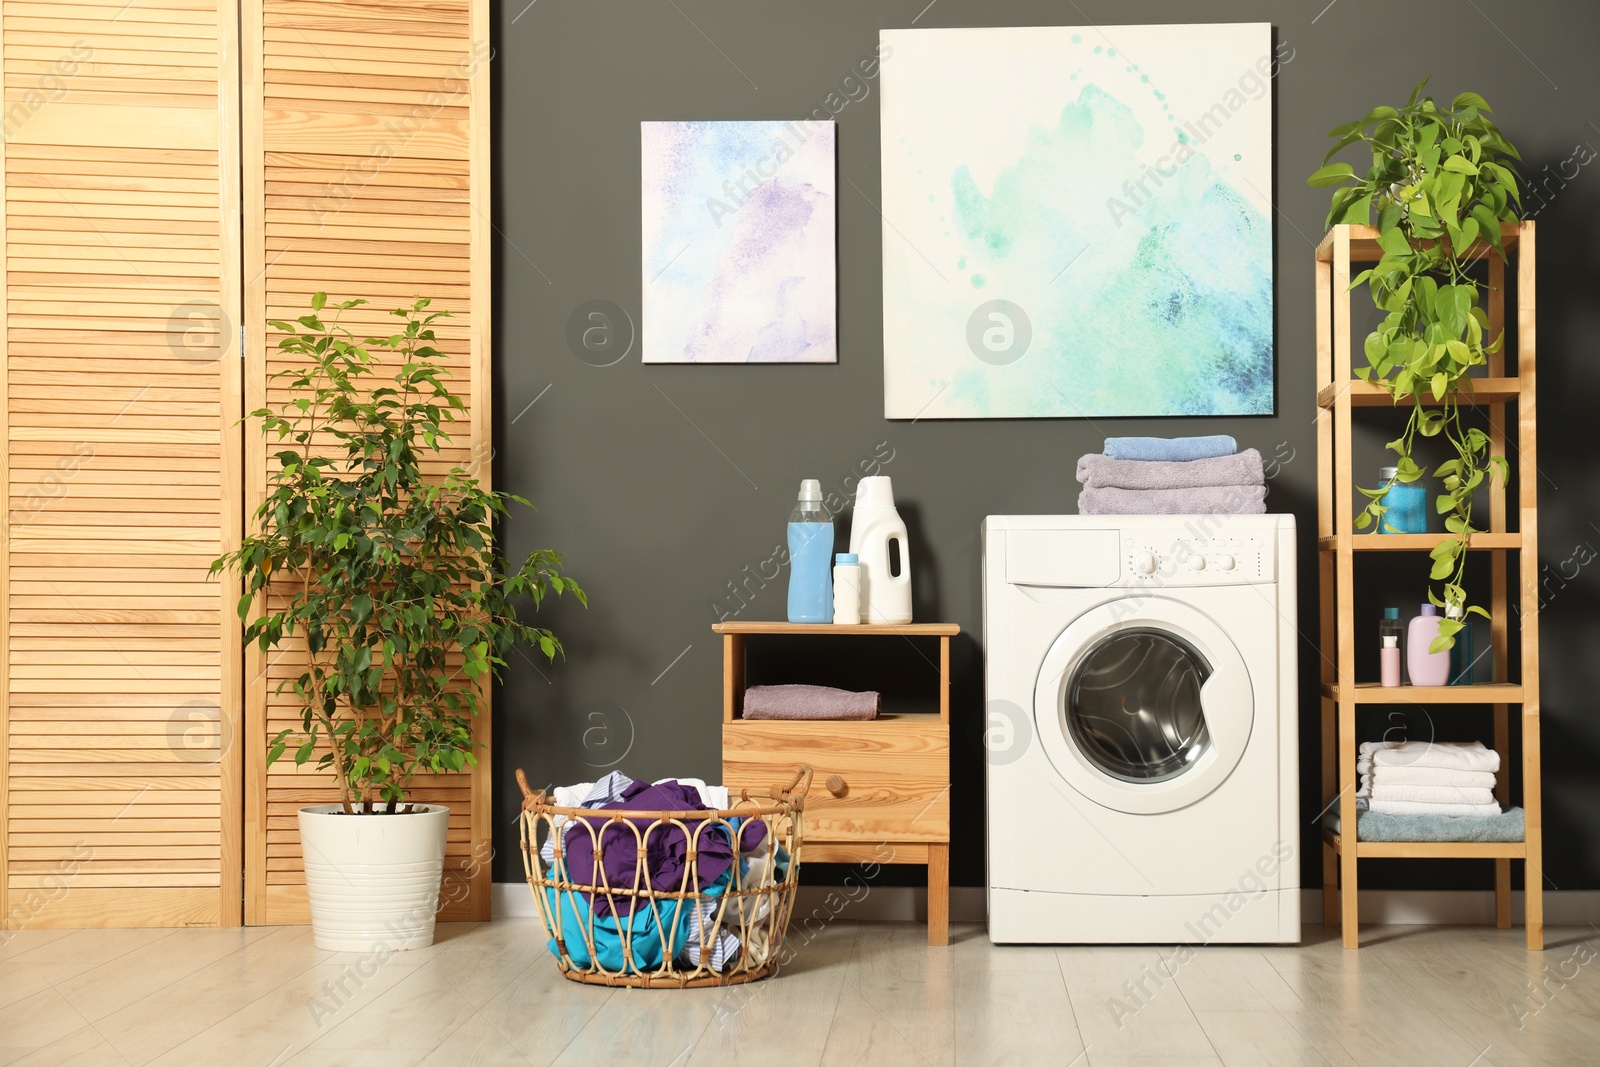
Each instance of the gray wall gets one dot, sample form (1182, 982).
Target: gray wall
(662, 484)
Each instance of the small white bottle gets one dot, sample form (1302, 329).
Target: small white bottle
(847, 589)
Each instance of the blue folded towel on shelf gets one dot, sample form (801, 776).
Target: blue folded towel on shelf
(1509, 825)
(1170, 449)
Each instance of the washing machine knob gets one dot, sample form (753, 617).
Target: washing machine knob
(1224, 562)
(1145, 563)
(1197, 562)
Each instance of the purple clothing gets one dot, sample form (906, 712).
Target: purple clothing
(666, 849)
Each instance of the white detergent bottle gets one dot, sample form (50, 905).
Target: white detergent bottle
(885, 595)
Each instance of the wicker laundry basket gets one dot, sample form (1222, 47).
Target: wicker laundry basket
(721, 919)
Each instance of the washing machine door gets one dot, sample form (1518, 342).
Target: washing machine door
(1143, 704)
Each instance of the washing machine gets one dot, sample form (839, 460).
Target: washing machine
(1141, 729)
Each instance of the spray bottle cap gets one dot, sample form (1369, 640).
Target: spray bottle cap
(1429, 609)
(1391, 641)
(810, 491)
(1391, 613)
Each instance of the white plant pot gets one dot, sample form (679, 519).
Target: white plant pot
(373, 879)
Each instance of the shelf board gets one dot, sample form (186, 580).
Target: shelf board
(1435, 850)
(910, 629)
(1489, 693)
(1376, 542)
(1372, 394)
(1364, 244)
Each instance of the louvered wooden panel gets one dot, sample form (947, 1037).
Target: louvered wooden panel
(120, 799)
(366, 175)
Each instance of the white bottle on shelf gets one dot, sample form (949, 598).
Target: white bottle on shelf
(874, 527)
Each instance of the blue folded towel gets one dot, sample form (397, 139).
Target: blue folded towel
(1170, 449)
(1509, 825)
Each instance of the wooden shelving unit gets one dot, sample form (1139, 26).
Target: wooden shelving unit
(882, 787)
(1338, 543)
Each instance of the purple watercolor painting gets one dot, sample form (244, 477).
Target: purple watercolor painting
(738, 235)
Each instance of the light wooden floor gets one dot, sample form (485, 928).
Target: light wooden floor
(857, 994)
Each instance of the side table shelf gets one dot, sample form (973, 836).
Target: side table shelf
(882, 787)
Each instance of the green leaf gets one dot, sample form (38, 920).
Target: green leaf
(1394, 242)
(1459, 165)
(1331, 175)
(1472, 100)
(1358, 212)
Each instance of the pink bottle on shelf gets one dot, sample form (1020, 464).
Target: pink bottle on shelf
(1427, 668)
(1389, 662)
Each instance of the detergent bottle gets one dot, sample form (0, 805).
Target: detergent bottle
(878, 539)
(810, 557)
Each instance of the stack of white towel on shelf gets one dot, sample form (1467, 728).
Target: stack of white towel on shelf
(1427, 778)
(1172, 476)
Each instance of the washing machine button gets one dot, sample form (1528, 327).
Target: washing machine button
(1197, 562)
(1145, 562)
(1225, 562)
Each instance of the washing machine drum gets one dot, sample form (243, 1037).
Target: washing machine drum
(1144, 708)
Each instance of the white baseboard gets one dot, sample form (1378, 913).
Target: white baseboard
(1391, 907)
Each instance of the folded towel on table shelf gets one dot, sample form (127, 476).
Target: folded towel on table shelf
(1430, 776)
(1430, 794)
(1170, 448)
(1450, 755)
(1103, 471)
(1201, 500)
(1412, 807)
(1374, 826)
(809, 702)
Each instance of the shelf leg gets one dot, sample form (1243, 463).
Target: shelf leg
(939, 894)
(1330, 886)
(1502, 867)
(1533, 836)
(1349, 918)
(1330, 769)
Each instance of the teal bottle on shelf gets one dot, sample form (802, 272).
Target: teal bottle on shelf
(1407, 502)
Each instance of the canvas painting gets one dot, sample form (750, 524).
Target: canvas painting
(1078, 221)
(739, 230)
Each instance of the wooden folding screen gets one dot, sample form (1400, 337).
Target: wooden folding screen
(119, 660)
(366, 174)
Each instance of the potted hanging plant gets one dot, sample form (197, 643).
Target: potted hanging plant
(388, 579)
(1442, 180)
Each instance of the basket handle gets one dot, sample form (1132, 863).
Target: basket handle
(799, 785)
(529, 794)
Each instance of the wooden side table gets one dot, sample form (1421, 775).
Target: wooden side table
(883, 787)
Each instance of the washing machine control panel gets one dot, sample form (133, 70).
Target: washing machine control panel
(1189, 557)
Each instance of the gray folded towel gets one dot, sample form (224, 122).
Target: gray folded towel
(1202, 500)
(1104, 472)
(809, 702)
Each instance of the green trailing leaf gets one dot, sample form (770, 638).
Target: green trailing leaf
(1441, 180)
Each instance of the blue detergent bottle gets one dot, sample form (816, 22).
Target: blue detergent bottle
(810, 557)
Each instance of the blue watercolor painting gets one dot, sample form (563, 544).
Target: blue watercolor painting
(738, 234)
(1077, 222)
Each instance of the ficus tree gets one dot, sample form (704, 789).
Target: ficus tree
(1441, 181)
(386, 574)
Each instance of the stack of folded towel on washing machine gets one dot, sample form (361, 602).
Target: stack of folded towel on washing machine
(1427, 778)
(1176, 476)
